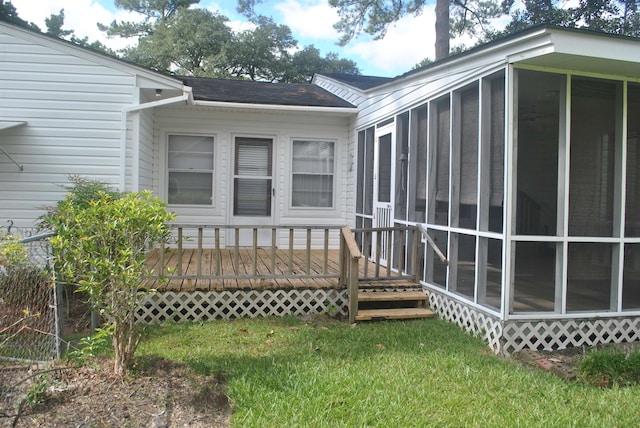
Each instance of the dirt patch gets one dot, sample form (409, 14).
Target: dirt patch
(158, 394)
(564, 362)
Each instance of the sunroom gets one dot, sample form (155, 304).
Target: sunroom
(524, 173)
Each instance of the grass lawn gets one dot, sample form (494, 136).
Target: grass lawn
(287, 373)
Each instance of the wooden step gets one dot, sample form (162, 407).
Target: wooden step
(393, 314)
(391, 296)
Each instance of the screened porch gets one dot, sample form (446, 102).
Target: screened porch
(545, 226)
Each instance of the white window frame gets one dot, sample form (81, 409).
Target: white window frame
(167, 170)
(333, 174)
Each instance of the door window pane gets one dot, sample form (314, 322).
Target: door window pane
(252, 177)
(538, 137)
(312, 174)
(384, 168)
(190, 170)
(593, 141)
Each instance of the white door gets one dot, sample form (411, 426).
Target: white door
(383, 187)
(253, 189)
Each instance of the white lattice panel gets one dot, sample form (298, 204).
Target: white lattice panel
(468, 319)
(178, 306)
(560, 334)
(513, 336)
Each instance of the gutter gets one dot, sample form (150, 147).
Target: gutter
(278, 107)
(187, 96)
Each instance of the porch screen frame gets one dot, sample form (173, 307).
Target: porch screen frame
(565, 240)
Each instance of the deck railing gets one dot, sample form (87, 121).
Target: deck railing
(278, 258)
(394, 251)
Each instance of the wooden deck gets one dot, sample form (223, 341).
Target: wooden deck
(249, 269)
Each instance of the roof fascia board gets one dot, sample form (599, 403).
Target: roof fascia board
(412, 95)
(338, 83)
(338, 111)
(614, 48)
(536, 43)
(95, 57)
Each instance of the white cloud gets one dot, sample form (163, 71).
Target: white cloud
(81, 16)
(309, 20)
(407, 42)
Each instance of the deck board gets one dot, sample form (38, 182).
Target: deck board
(281, 266)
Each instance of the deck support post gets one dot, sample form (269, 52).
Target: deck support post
(415, 254)
(349, 273)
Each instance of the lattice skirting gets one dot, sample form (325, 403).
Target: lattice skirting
(178, 306)
(507, 337)
(561, 334)
(468, 319)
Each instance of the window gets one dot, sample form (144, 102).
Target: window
(190, 170)
(312, 174)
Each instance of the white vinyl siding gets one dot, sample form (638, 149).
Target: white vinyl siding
(73, 110)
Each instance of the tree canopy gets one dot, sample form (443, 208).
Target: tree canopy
(175, 37)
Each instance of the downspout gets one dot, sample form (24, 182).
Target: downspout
(186, 96)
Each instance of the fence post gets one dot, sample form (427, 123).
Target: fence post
(58, 301)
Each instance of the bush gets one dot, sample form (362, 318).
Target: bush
(12, 252)
(101, 247)
(611, 366)
(79, 195)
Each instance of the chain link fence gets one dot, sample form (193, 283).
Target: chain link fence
(28, 300)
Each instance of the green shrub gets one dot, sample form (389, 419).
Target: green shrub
(12, 252)
(101, 247)
(611, 366)
(80, 194)
(37, 392)
(92, 346)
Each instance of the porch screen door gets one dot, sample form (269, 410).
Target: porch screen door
(253, 186)
(382, 188)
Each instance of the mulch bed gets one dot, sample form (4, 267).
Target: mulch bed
(160, 394)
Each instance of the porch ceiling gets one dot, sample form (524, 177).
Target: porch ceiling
(585, 64)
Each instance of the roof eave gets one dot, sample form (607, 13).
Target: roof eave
(336, 111)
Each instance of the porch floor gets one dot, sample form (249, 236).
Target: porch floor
(322, 273)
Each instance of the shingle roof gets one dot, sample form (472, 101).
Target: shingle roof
(245, 91)
(358, 81)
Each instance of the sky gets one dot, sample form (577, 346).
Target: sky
(406, 43)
